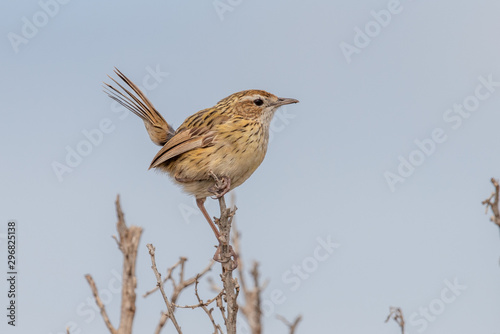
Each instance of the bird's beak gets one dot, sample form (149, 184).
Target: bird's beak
(283, 100)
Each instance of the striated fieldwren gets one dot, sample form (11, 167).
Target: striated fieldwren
(213, 151)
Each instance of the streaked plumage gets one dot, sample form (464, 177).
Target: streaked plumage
(229, 140)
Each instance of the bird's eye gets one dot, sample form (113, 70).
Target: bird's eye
(258, 102)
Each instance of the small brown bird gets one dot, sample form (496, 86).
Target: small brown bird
(226, 142)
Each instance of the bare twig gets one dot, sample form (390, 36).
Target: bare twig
(292, 326)
(217, 328)
(230, 284)
(252, 309)
(170, 308)
(161, 323)
(494, 206)
(220, 306)
(397, 315)
(200, 302)
(182, 284)
(100, 304)
(178, 287)
(128, 242)
(169, 275)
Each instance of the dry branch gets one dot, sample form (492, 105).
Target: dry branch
(128, 242)
(292, 326)
(182, 283)
(161, 323)
(217, 328)
(178, 287)
(252, 309)
(396, 314)
(493, 205)
(229, 261)
(170, 307)
(226, 299)
(100, 304)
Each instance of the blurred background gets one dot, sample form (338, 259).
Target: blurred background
(370, 194)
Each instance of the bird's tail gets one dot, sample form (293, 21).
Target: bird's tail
(158, 129)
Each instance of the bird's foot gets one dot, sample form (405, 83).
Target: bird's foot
(233, 257)
(221, 187)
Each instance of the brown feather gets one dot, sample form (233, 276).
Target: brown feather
(182, 142)
(158, 129)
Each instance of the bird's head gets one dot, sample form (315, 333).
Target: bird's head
(254, 104)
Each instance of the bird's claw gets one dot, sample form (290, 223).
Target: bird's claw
(221, 187)
(232, 256)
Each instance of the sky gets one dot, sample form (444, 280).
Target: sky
(369, 196)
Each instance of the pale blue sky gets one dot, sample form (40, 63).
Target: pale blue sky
(422, 244)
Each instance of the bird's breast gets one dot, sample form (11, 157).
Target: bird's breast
(237, 151)
(244, 150)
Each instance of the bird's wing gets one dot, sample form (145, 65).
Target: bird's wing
(158, 129)
(198, 130)
(183, 141)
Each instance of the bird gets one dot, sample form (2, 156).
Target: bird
(213, 151)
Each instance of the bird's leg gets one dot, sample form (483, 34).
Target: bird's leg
(221, 187)
(217, 256)
(200, 202)
(201, 205)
